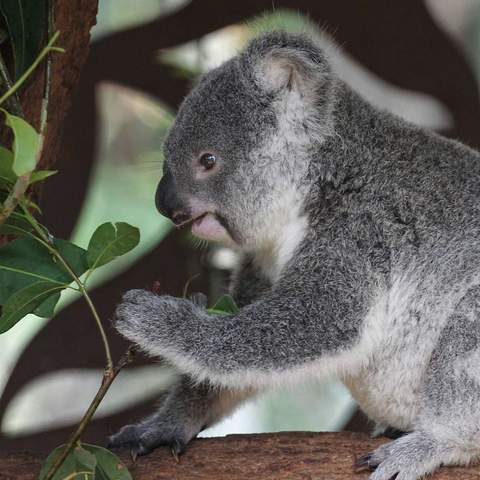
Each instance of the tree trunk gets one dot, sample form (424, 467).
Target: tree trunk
(276, 456)
(74, 19)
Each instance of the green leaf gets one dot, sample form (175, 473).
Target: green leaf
(47, 308)
(109, 466)
(16, 224)
(109, 241)
(31, 278)
(25, 21)
(226, 305)
(30, 204)
(25, 144)
(80, 464)
(25, 301)
(6, 163)
(25, 261)
(39, 175)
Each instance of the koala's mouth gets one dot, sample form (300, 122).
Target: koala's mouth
(207, 226)
(197, 221)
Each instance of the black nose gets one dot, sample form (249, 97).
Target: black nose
(167, 201)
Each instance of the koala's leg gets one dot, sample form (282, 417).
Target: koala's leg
(185, 412)
(448, 425)
(190, 408)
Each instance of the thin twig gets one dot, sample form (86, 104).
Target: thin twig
(108, 378)
(76, 279)
(48, 48)
(14, 104)
(22, 183)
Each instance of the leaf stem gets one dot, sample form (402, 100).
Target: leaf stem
(103, 335)
(14, 104)
(14, 197)
(22, 183)
(108, 378)
(77, 280)
(47, 49)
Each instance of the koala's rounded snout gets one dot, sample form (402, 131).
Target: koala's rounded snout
(168, 203)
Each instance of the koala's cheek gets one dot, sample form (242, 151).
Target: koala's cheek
(209, 228)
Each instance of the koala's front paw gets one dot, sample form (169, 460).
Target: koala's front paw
(133, 313)
(143, 315)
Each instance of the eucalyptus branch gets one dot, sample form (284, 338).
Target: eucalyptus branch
(14, 197)
(17, 198)
(46, 50)
(108, 378)
(14, 104)
(76, 279)
(22, 183)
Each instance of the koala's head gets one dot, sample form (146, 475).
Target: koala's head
(238, 153)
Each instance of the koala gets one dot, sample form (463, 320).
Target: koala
(359, 239)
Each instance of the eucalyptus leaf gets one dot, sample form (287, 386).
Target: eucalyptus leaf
(16, 224)
(25, 301)
(109, 241)
(79, 461)
(47, 308)
(26, 22)
(39, 175)
(6, 165)
(25, 263)
(31, 205)
(109, 466)
(226, 305)
(26, 142)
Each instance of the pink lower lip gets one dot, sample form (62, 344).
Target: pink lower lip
(208, 228)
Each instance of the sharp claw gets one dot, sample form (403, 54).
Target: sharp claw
(133, 455)
(176, 448)
(363, 463)
(174, 454)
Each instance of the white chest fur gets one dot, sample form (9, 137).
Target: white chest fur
(279, 249)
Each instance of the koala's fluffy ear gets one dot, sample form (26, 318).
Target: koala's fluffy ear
(278, 62)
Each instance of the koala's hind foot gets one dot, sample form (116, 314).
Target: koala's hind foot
(172, 426)
(143, 437)
(186, 411)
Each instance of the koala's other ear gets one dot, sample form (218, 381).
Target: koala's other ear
(279, 61)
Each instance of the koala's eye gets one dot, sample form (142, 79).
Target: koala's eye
(208, 160)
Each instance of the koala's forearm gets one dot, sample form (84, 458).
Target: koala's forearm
(266, 341)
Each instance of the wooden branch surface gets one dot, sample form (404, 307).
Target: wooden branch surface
(276, 456)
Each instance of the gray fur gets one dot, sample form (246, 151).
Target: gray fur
(363, 234)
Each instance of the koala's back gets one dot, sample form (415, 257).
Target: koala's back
(421, 192)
